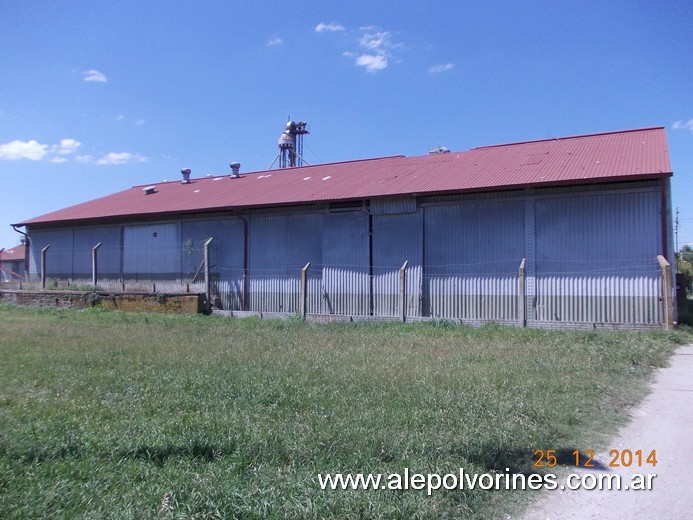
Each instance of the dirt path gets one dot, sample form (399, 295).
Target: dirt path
(664, 422)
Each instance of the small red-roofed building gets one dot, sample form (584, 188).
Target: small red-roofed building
(12, 263)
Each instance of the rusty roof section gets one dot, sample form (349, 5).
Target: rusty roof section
(595, 158)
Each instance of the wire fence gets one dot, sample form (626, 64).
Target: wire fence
(626, 291)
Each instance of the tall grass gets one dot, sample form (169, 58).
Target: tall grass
(106, 414)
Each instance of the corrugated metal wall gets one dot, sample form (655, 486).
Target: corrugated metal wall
(279, 246)
(397, 238)
(58, 257)
(226, 256)
(590, 256)
(108, 253)
(596, 258)
(472, 253)
(346, 259)
(152, 251)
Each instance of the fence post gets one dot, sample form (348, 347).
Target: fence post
(666, 293)
(208, 280)
(43, 266)
(403, 291)
(304, 290)
(521, 300)
(94, 264)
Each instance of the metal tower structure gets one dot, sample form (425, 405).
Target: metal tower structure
(291, 145)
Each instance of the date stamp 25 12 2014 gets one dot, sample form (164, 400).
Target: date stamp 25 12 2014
(585, 459)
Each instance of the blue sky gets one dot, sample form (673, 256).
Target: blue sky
(99, 96)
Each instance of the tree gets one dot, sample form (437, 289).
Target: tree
(684, 264)
(685, 254)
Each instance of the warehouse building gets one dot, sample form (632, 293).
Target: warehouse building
(565, 232)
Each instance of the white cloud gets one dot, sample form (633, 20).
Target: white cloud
(331, 27)
(94, 75)
(375, 48)
(35, 151)
(378, 41)
(372, 62)
(120, 158)
(120, 117)
(275, 41)
(378, 46)
(139, 122)
(85, 159)
(682, 125)
(111, 158)
(58, 153)
(66, 147)
(437, 69)
(16, 150)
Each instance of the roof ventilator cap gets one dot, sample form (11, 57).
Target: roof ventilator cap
(148, 190)
(235, 170)
(186, 175)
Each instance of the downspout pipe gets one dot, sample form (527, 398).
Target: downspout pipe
(244, 287)
(27, 244)
(26, 237)
(371, 271)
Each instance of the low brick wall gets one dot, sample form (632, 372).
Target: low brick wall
(132, 302)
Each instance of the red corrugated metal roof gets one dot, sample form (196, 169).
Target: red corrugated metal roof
(606, 157)
(12, 254)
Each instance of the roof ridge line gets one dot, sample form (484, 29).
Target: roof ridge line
(548, 139)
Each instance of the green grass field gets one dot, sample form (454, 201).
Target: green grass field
(112, 415)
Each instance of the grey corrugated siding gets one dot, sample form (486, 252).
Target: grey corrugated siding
(108, 253)
(279, 246)
(226, 256)
(58, 257)
(345, 280)
(591, 266)
(393, 205)
(600, 299)
(152, 251)
(472, 253)
(397, 238)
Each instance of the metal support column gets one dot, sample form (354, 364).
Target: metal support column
(94, 264)
(403, 291)
(521, 299)
(43, 266)
(208, 279)
(304, 290)
(667, 304)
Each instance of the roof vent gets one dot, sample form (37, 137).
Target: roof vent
(437, 150)
(186, 175)
(148, 190)
(235, 169)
